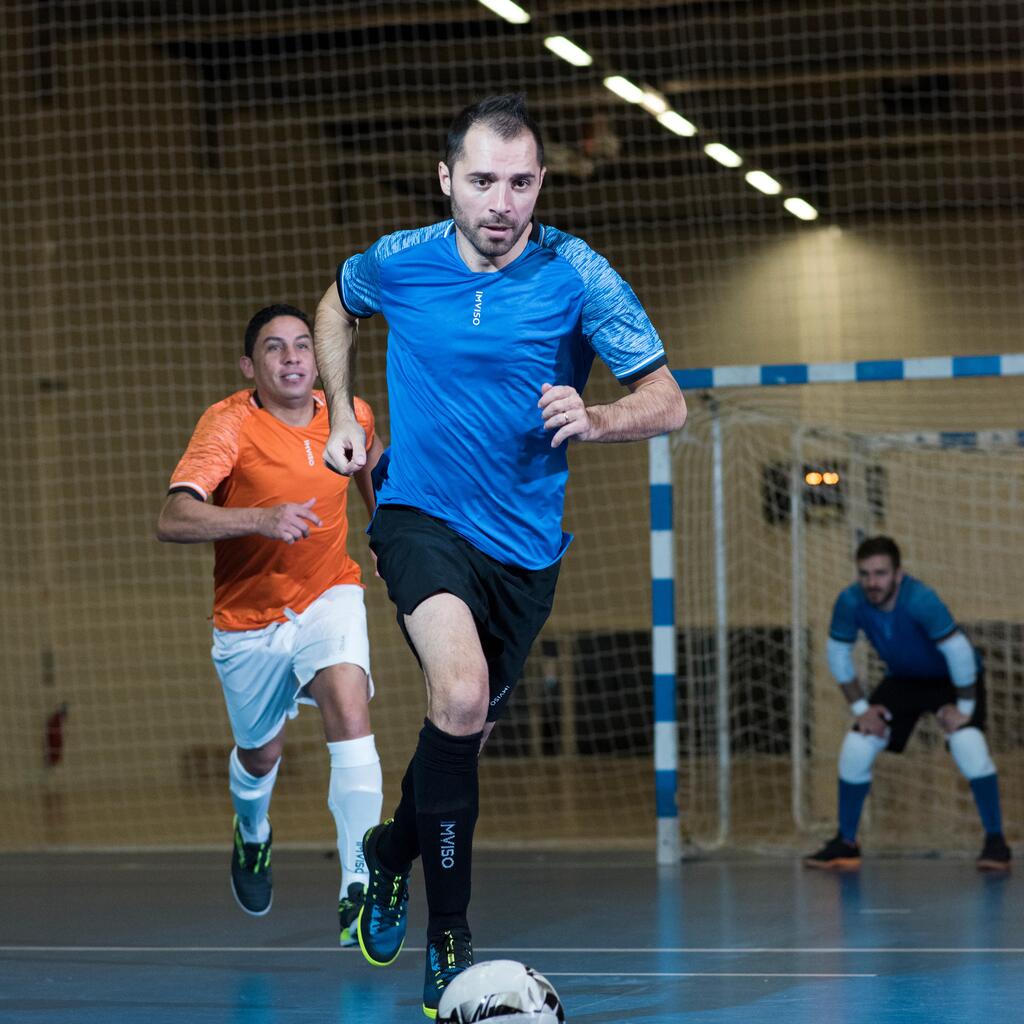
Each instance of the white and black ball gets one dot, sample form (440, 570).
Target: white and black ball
(500, 992)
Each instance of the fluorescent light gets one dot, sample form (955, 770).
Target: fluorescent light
(676, 123)
(568, 50)
(653, 102)
(763, 183)
(723, 154)
(507, 10)
(624, 89)
(800, 208)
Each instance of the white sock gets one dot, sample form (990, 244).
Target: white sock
(250, 795)
(355, 797)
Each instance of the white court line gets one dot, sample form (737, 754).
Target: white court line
(584, 950)
(829, 950)
(693, 974)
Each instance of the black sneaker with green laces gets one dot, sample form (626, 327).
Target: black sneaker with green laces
(384, 914)
(838, 854)
(348, 913)
(449, 953)
(251, 878)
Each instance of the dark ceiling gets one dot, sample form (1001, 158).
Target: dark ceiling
(865, 108)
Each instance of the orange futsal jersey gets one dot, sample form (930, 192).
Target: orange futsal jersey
(247, 458)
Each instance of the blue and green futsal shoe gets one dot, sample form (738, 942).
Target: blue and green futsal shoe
(348, 913)
(251, 878)
(449, 953)
(384, 914)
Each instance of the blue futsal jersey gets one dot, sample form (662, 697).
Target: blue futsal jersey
(906, 638)
(467, 354)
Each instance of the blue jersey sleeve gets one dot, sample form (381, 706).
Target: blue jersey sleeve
(359, 283)
(843, 626)
(359, 277)
(928, 611)
(614, 322)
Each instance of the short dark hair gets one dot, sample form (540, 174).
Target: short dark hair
(505, 115)
(262, 317)
(879, 546)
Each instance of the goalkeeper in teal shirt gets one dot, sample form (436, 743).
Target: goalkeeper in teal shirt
(930, 667)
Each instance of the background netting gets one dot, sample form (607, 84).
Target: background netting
(168, 168)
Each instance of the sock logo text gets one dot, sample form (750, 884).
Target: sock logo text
(447, 844)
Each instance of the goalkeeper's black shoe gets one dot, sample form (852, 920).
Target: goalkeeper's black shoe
(449, 953)
(348, 914)
(838, 854)
(251, 878)
(995, 854)
(384, 915)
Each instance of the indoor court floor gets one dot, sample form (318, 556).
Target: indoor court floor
(156, 938)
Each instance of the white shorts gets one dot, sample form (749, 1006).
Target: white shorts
(264, 672)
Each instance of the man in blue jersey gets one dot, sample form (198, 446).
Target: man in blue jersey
(494, 321)
(930, 667)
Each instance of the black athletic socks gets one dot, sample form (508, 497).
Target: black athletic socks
(447, 793)
(399, 844)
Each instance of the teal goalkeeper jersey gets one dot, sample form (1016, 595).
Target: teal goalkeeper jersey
(907, 637)
(467, 355)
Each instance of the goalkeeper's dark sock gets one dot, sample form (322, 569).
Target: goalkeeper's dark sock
(851, 802)
(986, 797)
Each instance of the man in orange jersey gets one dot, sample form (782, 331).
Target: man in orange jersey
(288, 613)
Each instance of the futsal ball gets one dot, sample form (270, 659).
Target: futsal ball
(500, 992)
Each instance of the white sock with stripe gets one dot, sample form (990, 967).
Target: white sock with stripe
(355, 797)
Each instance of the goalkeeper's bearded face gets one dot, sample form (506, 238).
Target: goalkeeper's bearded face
(879, 579)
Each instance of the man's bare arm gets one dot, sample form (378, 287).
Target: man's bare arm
(334, 340)
(655, 405)
(363, 479)
(186, 520)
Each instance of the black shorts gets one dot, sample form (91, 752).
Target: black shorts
(909, 699)
(419, 556)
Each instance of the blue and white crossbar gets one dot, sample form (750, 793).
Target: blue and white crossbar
(923, 368)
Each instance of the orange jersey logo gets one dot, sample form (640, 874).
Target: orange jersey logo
(245, 457)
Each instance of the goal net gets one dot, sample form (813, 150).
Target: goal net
(171, 167)
(807, 473)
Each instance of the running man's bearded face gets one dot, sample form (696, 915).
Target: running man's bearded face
(878, 579)
(493, 189)
(282, 364)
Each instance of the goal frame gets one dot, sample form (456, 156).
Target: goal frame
(665, 680)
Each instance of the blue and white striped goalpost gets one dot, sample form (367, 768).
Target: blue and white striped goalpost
(662, 545)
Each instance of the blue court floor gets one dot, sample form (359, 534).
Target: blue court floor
(157, 938)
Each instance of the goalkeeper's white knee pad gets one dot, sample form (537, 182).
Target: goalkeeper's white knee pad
(970, 751)
(857, 755)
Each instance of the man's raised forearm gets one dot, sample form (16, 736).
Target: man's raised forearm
(656, 406)
(334, 340)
